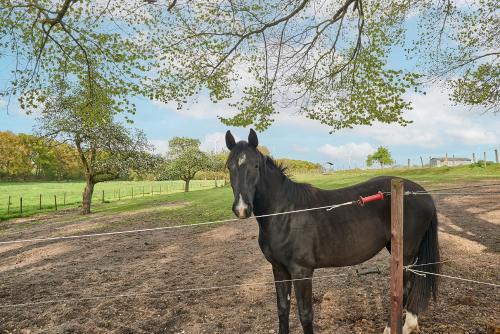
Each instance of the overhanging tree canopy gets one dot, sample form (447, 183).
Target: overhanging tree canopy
(326, 59)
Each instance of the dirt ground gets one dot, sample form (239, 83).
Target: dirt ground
(152, 263)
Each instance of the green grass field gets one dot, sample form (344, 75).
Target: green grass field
(422, 175)
(69, 194)
(207, 204)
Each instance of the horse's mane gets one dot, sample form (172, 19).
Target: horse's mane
(294, 191)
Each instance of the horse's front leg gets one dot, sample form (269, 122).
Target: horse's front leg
(283, 290)
(303, 293)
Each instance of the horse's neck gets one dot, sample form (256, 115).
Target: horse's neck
(269, 193)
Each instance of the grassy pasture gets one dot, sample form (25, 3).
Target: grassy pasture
(460, 174)
(69, 194)
(206, 203)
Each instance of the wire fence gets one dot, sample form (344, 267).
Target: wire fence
(412, 268)
(157, 293)
(26, 201)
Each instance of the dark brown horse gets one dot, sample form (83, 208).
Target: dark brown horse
(298, 243)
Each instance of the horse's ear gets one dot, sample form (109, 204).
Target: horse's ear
(252, 139)
(230, 142)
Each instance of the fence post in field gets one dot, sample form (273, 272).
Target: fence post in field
(8, 206)
(40, 203)
(408, 163)
(484, 154)
(422, 161)
(496, 156)
(397, 200)
(473, 157)
(55, 202)
(64, 199)
(103, 196)
(21, 206)
(430, 164)
(446, 159)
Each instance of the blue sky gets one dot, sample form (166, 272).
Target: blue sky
(438, 127)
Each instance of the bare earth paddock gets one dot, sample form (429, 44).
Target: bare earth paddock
(225, 255)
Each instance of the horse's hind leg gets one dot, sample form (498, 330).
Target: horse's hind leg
(283, 290)
(303, 293)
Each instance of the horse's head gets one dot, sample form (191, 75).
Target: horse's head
(243, 163)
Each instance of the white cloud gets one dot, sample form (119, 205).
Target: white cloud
(436, 122)
(354, 153)
(301, 149)
(160, 146)
(214, 142)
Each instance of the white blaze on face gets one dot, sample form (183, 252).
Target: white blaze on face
(411, 323)
(242, 159)
(241, 207)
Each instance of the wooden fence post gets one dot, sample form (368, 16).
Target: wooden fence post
(473, 157)
(484, 159)
(119, 195)
(40, 203)
(496, 156)
(408, 163)
(55, 202)
(21, 206)
(103, 195)
(397, 200)
(422, 162)
(8, 206)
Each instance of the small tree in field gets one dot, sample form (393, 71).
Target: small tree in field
(217, 166)
(382, 156)
(185, 159)
(106, 149)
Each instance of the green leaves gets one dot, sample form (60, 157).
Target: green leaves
(184, 160)
(381, 156)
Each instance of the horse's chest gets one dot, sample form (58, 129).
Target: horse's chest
(276, 250)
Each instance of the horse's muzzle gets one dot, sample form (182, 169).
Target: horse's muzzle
(241, 209)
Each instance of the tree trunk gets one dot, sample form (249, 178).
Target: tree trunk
(186, 185)
(87, 196)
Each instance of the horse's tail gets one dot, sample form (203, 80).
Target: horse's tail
(423, 286)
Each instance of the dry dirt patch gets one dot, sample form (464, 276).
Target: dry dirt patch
(229, 254)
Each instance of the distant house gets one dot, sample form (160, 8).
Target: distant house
(443, 161)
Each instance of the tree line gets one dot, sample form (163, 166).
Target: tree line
(29, 157)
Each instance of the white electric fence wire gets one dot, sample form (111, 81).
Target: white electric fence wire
(424, 273)
(152, 293)
(326, 207)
